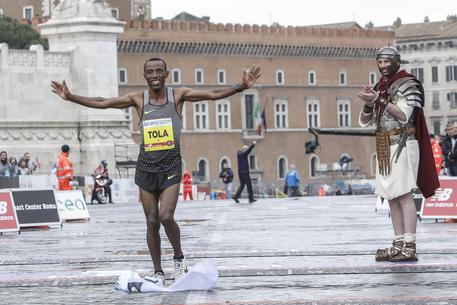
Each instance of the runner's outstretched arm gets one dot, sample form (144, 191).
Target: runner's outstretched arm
(121, 102)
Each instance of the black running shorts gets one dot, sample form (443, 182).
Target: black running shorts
(155, 182)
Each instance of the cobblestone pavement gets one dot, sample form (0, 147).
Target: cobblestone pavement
(275, 251)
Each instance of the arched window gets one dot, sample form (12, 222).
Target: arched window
(203, 171)
(282, 167)
(224, 160)
(313, 165)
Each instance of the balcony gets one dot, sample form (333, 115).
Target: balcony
(252, 134)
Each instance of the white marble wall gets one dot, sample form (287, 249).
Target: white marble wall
(33, 119)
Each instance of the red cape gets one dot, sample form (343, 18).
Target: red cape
(427, 179)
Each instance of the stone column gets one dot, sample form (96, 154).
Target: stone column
(87, 29)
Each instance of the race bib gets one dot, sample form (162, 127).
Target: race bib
(158, 134)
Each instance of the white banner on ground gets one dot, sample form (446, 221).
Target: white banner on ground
(202, 276)
(71, 205)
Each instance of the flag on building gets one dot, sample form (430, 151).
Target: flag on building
(259, 119)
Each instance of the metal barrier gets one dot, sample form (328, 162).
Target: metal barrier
(125, 158)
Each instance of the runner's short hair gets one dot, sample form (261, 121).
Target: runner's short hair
(155, 59)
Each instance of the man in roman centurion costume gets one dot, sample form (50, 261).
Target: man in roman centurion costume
(404, 155)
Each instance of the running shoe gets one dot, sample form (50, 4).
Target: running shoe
(158, 279)
(180, 267)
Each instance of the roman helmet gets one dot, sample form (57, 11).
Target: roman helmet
(391, 53)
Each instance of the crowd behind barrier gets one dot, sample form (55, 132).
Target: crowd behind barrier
(25, 174)
(24, 165)
(125, 190)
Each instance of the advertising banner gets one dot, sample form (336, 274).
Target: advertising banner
(71, 205)
(36, 207)
(37, 181)
(125, 190)
(444, 203)
(8, 218)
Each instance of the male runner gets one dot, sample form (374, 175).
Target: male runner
(158, 170)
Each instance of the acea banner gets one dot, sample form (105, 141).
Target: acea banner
(36, 207)
(71, 205)
(8, 218)
(444, 203)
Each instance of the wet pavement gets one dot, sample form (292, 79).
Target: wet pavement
(275, 251)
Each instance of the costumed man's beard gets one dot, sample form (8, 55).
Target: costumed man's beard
(390, 70)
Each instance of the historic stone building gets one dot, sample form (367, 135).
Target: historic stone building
(310, 79)
(431, 48)
(27, 9)
(35, 120)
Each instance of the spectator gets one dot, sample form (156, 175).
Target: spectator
(338, 192)
(293, 182)
(450, 150)
(32, 165)
(349, 191)
(285, 188)
(4, 164)
(437, 153)
(102, 170)
(64, 169)
(227, 177)
(243, 172)
(187, 185)
(23, 169)
(14, 168)
(322, 192)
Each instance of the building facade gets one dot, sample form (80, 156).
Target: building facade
(28, 9)
(310, 79)
(35, 120)
(431, 49)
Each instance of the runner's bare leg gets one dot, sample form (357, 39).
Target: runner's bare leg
(168, 202)
(150, 203)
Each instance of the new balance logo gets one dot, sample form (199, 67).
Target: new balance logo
(169, 177)
(3, 207)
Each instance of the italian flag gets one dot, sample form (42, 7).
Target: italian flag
(259, 118)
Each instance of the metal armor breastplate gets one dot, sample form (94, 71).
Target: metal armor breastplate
(387, 122)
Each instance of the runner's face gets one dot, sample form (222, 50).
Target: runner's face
(3, 156)
(155, 74)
